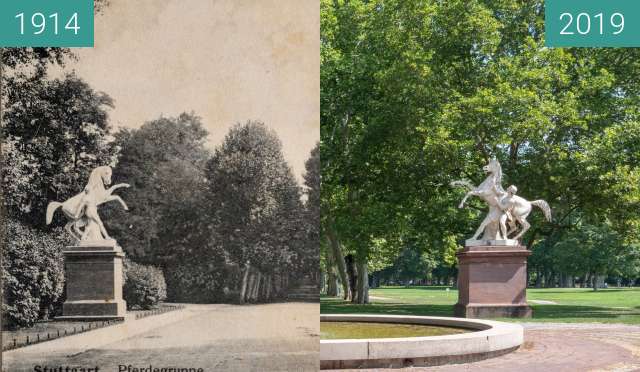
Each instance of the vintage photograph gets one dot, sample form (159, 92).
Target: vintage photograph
(161, 191)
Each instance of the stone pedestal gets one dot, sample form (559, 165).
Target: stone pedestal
(93, 273)
(492, 282)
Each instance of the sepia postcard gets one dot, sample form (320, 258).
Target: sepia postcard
(161, 191)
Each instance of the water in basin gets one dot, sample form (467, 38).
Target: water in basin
(355, 330)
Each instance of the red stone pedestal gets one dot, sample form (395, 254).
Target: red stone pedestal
(492, 282)
(93, 276)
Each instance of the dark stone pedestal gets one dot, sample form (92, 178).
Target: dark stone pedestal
(93, 273)
(492, 282)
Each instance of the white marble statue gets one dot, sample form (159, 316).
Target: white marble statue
(82, 210)
(505, 207)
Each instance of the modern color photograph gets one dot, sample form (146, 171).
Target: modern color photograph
(480, 191)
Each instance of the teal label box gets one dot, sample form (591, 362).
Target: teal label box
(46, 23)
(592, 23)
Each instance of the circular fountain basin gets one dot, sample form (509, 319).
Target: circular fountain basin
(359, 330)
(468, 340)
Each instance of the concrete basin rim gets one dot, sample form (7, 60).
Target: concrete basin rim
(476, 325)
(499, 336)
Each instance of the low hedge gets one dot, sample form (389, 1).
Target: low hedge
(144, 286)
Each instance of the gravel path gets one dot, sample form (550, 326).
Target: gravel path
(274, 337)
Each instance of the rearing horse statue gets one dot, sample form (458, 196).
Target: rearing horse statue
(82, 209)
(503, 205)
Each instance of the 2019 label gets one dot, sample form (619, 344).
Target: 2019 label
(592, 23)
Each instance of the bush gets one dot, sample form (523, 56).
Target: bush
(197, 281)
(32, 274)
(144, 286)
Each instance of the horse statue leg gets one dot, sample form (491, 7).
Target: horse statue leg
(109, 197)
(118, 199)
(92, 216)
(113, 188)
(467, 195)
(483, 225)
(70, 231)
(522, 219)
(467, 185)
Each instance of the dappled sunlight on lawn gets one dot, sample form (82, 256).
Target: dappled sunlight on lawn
(615, 305)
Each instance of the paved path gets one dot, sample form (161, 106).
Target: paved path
(561, 347)
(274, 337)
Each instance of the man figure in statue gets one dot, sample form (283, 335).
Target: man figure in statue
(506, 203)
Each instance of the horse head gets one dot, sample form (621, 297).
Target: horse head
(494, 179)
(493, 167)
(100, 176)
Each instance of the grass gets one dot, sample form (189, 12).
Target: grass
(572, 305)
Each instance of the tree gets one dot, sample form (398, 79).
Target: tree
(257, 206)
(56, 133)
(164, 163)
(417, 94)
(309, 257)
(167, 224)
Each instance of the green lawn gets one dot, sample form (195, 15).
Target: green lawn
(615, 305)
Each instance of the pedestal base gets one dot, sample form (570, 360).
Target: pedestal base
(93, 275)
(93, 310)
(492, 311)
(492, 282)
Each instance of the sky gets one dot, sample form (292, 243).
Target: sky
(228, 61)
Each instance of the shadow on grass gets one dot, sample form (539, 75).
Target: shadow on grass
(578, 290)
(568, 311)
(541, 312)
(423, 288)
(343, 307)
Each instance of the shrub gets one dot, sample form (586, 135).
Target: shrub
(144, 286)
(197, 281)
(32, 274)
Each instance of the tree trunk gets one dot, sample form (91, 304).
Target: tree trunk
(353, 277)
(332, 280)
(276, 285)
(267, 294)
(585, 281)
(598, 281)
(243, 287)
(252, 283)
(332, 284)
(249, 291)
(548, 283)
(566, 280)
(338, 257)
(256, 287)
(363, 283)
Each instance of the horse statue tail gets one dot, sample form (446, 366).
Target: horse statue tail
(545, 208)
(463, 183)
(51, 208)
